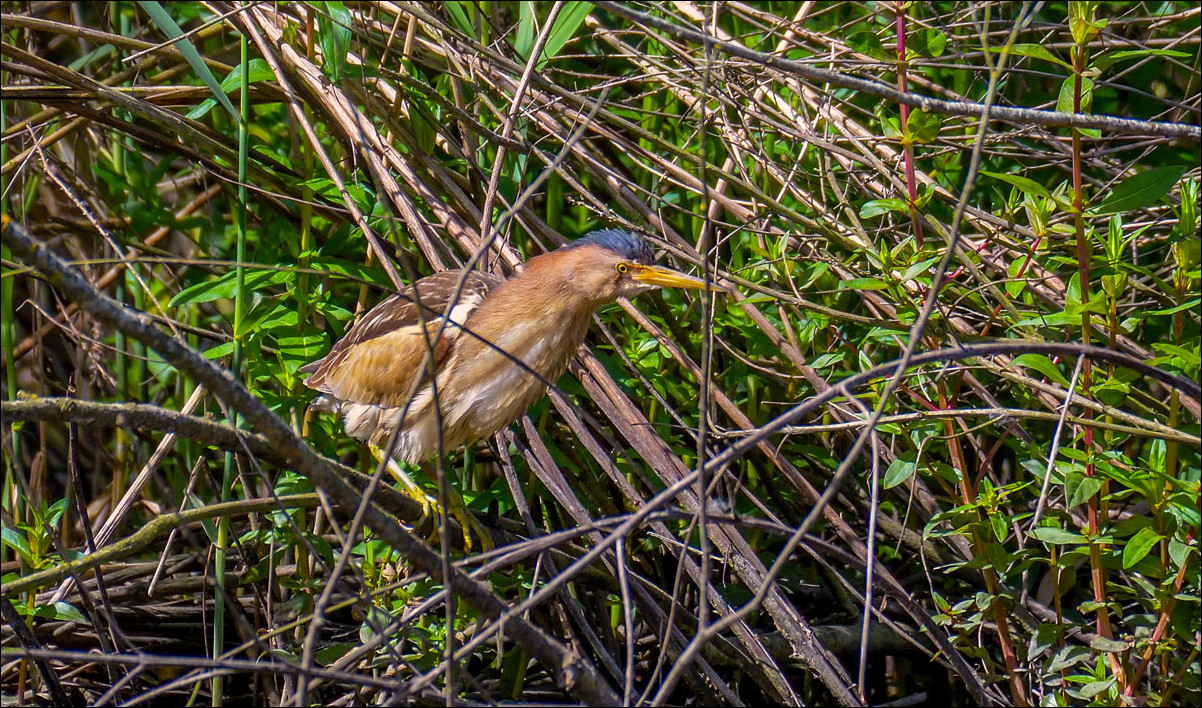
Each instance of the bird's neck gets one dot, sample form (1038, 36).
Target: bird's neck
(540, 315)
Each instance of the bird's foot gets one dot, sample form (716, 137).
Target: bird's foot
(431, 509)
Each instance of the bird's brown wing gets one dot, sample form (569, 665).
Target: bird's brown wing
(378, 360)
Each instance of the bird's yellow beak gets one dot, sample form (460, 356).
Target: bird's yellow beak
(668, 278)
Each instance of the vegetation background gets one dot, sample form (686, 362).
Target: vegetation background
(687, 518)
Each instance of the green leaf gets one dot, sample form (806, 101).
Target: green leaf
(1191, 357)
(1141, 190)
(1095, 688)
(1064, 103)
(866, 42)
(1052, 534)
(329, 654)
(569, 19)
(376, 621)
(863, 284)
(457, 10)
(167, 24)
(1187, 305)
(927, 43)
(876, 207)
(1139, 546)
(226, 285)
(1084, 489)
(1104, 61)
(1042, 364)
(334, 36)
(1057, 319)
(527, 30)
(259, 71)
(224, 349)
(918, 269)
(922, 127)
(899, 471)
(68, 612)
(1023, 184)
(1035, 51)
(1112, 392)
(827, 360)
(302, 347)
(998, 523)
(261, 311)
(15, 540)
(1082, 21)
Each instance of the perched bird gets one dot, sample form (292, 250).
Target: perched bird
(502, 343)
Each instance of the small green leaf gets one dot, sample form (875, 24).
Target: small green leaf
(68, 612)
(1139, 546)
(224, 349)
(167, 24)
(565, 27)
(457, 10)
(302, 347)
(1187, 305)
(1141, 189)
(1191, 357)
(1042, 364)
(1052, 534)
(1095, 688)
(899, 471)
(866, 42)
(1064, 103)
(827, 360)
(927, 43)
(1104, 61)
(329, 654)
(876, 207)
(1112, 392)
(863, 284)
(1083, 490)
(922, 127)
(523, 38)
(1035, 51)
(998, 523)
(1082, 21)
(258, 71)
(1023, 184)
(334, 36)
(16, 540)
(918, 269)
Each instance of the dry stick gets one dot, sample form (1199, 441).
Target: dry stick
(572, 672)
(870, 555)
(1055, 447)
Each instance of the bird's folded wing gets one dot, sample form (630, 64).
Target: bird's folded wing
(378, 361)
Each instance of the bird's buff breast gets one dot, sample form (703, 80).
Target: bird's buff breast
(480, 390)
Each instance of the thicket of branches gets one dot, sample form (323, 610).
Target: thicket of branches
(961, 340)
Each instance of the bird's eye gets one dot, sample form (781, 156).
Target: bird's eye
(622, 267)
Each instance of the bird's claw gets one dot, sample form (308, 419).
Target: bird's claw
(431, 509)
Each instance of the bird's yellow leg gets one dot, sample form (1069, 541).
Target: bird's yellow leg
(429, 503)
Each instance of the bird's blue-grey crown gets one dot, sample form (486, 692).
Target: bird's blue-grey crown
(624, 243)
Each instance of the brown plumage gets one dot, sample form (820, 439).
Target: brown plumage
(539, 317)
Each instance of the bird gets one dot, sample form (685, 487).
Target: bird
(460, 354)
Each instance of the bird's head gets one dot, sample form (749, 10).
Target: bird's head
(613, 263)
